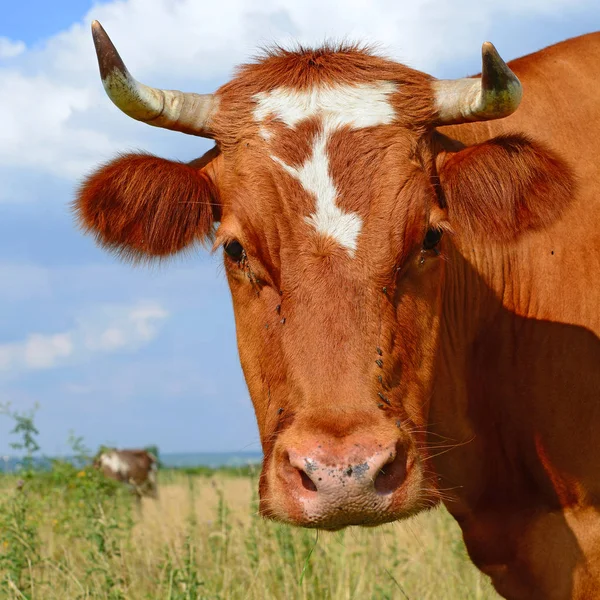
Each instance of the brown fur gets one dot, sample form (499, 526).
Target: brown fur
(306, 68)
(504, 187)
(140, 206)
(477, 362)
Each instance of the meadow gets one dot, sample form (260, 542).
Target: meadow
(68, 533)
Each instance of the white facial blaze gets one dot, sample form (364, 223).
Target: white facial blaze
(354, 106)
(327, 219)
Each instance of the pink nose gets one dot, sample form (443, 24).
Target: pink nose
(345, 482)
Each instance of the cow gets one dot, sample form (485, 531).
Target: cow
(136, 468)
(414, 265)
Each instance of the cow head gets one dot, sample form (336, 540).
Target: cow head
(331, 189)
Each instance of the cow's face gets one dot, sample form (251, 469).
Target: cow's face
(338, 345)
(325, 184)
(330, 228)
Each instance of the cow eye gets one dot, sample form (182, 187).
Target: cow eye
(234, 250)
(432, 239)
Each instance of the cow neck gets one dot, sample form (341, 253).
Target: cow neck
(472, 306)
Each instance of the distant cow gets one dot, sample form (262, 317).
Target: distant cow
(137, 468)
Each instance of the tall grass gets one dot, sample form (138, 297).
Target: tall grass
(70, 534)
(73, 535)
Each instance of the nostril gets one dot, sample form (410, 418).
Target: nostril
(392, 474)
(307, 482)
(296, 471)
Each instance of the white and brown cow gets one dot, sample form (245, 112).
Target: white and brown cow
(136, 468)
(415, 272)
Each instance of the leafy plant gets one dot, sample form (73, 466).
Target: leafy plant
(19, 538)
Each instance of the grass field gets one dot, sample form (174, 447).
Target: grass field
(69, 534)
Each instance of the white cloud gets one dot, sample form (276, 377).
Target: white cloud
(117, 328)
(44, 351)
(104, 330)
(10, 48)
(61, 123)
(111, 339)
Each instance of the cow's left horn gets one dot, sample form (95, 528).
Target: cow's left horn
(495, 95)
(172, 109)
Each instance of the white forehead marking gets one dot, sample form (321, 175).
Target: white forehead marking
(359, 105)
(327, 219)
(354, 106)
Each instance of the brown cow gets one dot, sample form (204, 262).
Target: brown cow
(415, 286)
(137, 468)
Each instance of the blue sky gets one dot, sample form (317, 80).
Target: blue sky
(34, 21)
(147, 356)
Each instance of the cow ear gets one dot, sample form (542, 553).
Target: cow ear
(143, 207)
(503, 187)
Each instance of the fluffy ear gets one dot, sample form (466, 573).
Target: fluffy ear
(141, 206)
(502, 188)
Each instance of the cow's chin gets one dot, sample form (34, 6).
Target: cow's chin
(344, 508)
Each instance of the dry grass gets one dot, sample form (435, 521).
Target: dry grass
(203, 539)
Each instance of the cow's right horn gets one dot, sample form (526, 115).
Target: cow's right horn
(495, 95)
(171, 109)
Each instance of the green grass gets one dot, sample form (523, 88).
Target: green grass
(70, 534)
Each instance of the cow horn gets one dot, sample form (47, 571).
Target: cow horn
(171, 109)
(495, 95)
